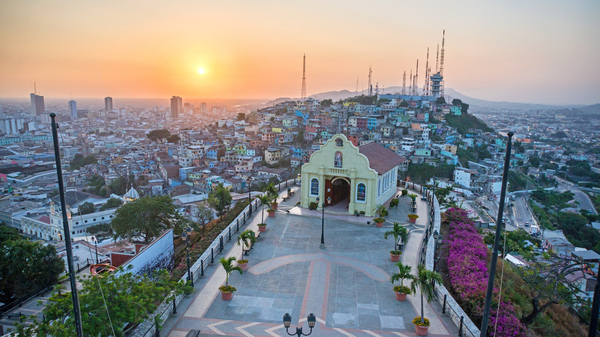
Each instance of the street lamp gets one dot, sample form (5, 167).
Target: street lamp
(249, 200)
(323, 221)
(186, 235)
(96, 243)
(287, 321)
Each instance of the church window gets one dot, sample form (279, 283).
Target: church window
(339, 142)
(337, 160)
(314, 187)
(361, 192)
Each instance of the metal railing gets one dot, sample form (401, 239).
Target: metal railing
(206, 259)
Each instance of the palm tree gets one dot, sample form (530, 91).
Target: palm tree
(245, 239)
(380, 210)
(397, 231)
(229, 268)
(425, 281)
(402, 274)
(272, 191)
(264, 200)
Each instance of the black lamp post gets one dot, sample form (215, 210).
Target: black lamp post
(186, 236)
(287, 321)
(323, 221)
(249, 198)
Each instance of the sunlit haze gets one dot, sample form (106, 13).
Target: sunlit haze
(519, 51)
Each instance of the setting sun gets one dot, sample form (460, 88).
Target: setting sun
(201, 71)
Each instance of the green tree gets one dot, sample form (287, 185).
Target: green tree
(241, 116)
(119, 186)
(402, 274)
(117, 298)
(79, 160)
(229, 268)
(534, 161)
(111, 203)
(173, 139)
(515, 243)
(86, 208)
(397, 231)
(246, 239)
(440, 100)
(147, 218)
(155, 135)
(27, 267)
(204, 215)
(8, 233)
(220, 200)
(425, 281)
(326, 103)
(265, 200)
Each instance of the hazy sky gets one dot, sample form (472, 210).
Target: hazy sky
(545, 51)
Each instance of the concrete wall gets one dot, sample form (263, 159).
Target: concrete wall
(157, 255)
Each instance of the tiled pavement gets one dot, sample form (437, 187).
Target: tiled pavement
(346, 285)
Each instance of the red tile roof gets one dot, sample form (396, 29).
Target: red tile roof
(380, 159)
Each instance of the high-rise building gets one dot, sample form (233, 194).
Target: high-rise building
(203, 108)
(176, 106)
(108, 107)
(37, 104)
(73, 109)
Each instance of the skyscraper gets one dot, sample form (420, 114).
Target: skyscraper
(73, 109)
(108, 104)
(37, 104)
(176, 106)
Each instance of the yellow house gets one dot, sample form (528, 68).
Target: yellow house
(349, 178)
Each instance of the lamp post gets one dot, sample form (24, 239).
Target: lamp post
(186, 236)
(249, 198)
(323, 221)
(96, 243)
(287, 321)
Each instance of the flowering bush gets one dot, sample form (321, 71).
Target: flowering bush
(468, 274)
(402, 289)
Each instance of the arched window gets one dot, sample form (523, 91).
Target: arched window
(337, 159)
(361, 192)
(339, 142)
(314, 187)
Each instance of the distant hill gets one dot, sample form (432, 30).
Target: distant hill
(450, 95)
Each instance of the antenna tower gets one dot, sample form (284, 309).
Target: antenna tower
(357, 86)
(426, 87)
(442, 62)
(370, 87)
(404, 83)
(303, 94)
(437, 59)
(377, 89)
(410, 89)
(416, 79)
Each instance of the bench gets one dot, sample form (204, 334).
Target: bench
(400, 244)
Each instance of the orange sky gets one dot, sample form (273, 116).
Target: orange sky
(532, 51)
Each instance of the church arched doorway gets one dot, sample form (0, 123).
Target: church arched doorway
(339, 190)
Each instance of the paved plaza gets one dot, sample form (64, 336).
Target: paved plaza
(346, 284)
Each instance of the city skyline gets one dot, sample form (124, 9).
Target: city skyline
(534, 52)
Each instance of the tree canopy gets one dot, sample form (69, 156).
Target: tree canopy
(155, 135)
(27, 267)
(220, 199)
(147, 218)
(111, 203)
(86, 208)
(79, 161)
(128, 298)
(8, 233)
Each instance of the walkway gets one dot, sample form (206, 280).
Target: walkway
(346, 285)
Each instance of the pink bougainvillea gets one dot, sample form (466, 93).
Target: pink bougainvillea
(468, 273)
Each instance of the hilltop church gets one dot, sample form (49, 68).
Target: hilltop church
(350, 178)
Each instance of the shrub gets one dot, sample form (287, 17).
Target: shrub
(312, 206)
(403, 290)
(417, 321)
(242, 261)
(379, 220)
(394, 203)
(362, 212)
(227, 289)
(404, 193)
(413, 216)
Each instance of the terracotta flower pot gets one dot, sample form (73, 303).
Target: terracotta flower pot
(274, 206)
(411, 220)
(244, 266)
(272, 214)
(401, 297)
(226, 296)
(379, 224)
(395, 258)
(421, 330)
(262, 229)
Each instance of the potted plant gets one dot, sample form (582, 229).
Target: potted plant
(412, 218)
(227, 290)
(397, 231)
(245, 239)
(402, 274)
(271, 212)
(272, 193)
(413, 198)
(381, 212)
(425, 281)
(264, 200)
